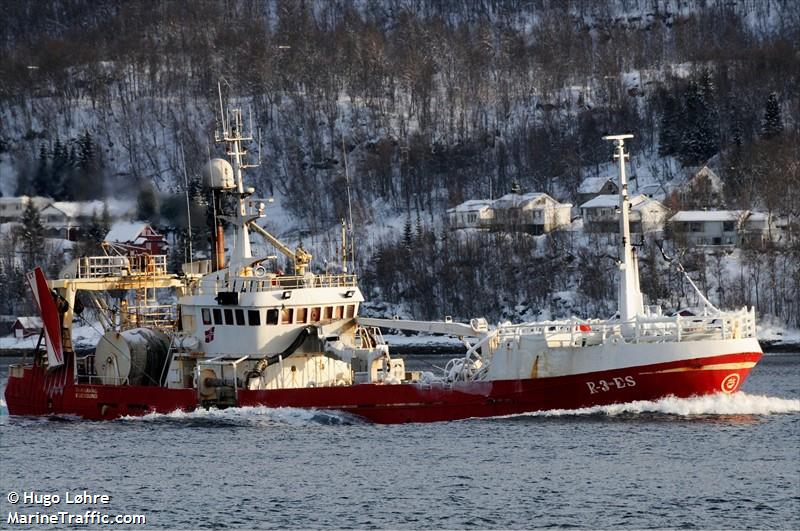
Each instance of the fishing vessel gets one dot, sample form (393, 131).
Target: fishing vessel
(240, 333)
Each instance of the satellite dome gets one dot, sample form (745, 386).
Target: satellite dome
(218, 175)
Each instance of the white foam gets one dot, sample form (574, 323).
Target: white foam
(282, 415)
(717, 404)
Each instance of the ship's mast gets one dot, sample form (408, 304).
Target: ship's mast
(232, 127)
(630, 296)
(241, 257)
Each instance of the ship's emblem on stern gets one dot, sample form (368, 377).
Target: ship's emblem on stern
(730, 383)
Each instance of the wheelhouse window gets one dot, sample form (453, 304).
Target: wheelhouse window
(272, 316)
(328, 313)
(338, 312)
(315, 314)
(206, 316)
(239, 317)
(217, 316)
(286, 315)
(228, 316)
(302, 315)
(351, 311)
(253, 317)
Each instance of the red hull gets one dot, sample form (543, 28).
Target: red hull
(37, 393)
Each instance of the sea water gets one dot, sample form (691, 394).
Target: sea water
(710, 462)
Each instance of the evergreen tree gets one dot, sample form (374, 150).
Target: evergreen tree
(670, 136)
(60, 169)
(700, 139)
(31, 233)
(737, 131)
(87, 176)
(86, 159)
(408, 235)
(91, 237)
(772, 124)
(42, 178)
(105, 219)
(24, 186)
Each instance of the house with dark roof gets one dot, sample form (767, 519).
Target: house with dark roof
(704, 189)
(593, 186)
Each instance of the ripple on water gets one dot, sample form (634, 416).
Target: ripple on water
(711, 462)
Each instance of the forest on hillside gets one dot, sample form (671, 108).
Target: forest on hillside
(434, 102)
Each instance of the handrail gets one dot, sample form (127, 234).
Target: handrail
(118, 266)
(643, 329)
(278, 283)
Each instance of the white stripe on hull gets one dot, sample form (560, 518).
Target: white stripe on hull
(712, 367)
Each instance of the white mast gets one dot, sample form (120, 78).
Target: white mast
(232, 135)
(630, 296)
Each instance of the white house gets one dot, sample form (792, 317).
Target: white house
(64, 218)
(11, 208)
(721, 228)
(759, 228)
(698, 228)
(472, 214)
(601, 214)
(535, 212)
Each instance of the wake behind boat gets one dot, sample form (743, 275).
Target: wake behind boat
(242, 334)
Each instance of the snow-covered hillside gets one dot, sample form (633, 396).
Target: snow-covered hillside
(433, 104)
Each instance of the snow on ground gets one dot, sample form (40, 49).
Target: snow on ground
(13, 343)
(421, 340)
(83, 336)
(775, 332)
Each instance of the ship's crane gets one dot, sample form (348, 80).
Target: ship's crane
(299, 256)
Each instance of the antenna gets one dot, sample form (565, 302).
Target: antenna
(259, 145)
(620, 138)
(188, 207)
(349, 205)
(250, 118)
(222, 111)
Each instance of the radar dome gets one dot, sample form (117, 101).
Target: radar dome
(218, 175)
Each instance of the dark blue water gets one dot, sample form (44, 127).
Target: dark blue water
(715, 462)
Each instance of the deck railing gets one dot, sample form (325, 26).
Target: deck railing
(643, 329)
(271, 282)
(162, 316)
(119, 266)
